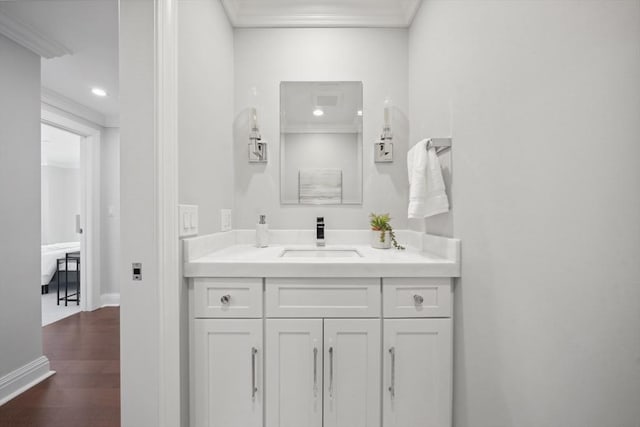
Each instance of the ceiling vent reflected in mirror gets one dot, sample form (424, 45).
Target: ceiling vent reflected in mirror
(327, 100)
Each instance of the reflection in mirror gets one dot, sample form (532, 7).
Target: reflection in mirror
(321, 143)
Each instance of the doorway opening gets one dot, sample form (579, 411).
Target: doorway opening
(61, 243)
(82, 225)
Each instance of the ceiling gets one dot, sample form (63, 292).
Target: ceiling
(59, 148)
(83, 36)
(321, 13)
(89, 30)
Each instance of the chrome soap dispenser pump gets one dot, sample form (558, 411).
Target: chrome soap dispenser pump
(262, 232)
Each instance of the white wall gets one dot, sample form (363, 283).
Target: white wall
(543, 101)
(264, 58)
(60, 203)
(205, 115)
(139, 323)
(20, 330)
(205, 110)
(110, 211)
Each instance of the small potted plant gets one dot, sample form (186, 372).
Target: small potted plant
(382, 235)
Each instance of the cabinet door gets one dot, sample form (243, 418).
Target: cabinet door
(417, 373)
(294, 372)
(227, 373)
(351, 373)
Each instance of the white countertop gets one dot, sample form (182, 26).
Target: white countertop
(232, 254)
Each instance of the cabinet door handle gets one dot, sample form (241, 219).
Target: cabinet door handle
(315, 372)
(225, 299)
(331, 372)
(254, 388)
(418, 299)
(392, 387)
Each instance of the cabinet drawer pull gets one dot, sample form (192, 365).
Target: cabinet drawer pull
(315, 372)
(392, 387)
(254, 388)
(418, 299)
(225, 300)
(331, 372)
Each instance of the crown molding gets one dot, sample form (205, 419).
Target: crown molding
(30, 38)
(282, 15)
(410, 12)
(61, 102)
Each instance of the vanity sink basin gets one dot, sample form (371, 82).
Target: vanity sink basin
(320, 253)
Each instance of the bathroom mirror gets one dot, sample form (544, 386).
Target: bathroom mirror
(321, 143)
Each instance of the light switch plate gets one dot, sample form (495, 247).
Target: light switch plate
(188, 220)
(225, 220)
(383, 152)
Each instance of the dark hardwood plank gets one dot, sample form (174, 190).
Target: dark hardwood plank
(84, 350)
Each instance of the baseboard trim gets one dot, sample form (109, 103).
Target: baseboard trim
(110, 300)
(23, 378)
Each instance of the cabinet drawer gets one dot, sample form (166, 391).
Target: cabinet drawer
(409, 297)
(322, 297)
(227, 298)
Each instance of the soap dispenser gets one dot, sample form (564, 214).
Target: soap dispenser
(262, 232)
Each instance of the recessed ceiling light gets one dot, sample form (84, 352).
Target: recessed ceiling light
(360, 112)
(98, 91)
(318, 112)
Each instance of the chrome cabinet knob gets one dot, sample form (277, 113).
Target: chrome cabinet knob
(225, 299)
(418, 299)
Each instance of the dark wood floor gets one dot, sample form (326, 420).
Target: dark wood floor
(84, 350)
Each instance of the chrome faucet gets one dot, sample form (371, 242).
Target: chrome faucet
(320, 231)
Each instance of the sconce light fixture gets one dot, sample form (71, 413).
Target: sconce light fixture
(257, 147)
(383, 150)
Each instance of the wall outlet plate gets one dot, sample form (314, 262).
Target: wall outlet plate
(136, 271)
(225, 220)
(383, 152)
(188, 220)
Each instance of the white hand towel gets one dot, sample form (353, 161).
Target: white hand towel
(427, 195)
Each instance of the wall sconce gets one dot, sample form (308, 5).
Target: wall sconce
(257, 147)
(383, 150)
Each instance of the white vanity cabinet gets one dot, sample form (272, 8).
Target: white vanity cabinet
(294, 372)
(227, 353)
(417, 352)
(321, 352)
(227, 376)
(323, 369)
(351, 372)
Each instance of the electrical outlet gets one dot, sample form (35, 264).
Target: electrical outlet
(383, 152)
(136, 271)
(225, 220)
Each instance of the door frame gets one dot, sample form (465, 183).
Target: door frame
(171, 411)
(89, 200)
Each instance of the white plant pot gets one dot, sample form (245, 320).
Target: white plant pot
(380, 239)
